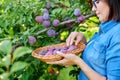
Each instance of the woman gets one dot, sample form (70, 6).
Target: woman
(101, 57)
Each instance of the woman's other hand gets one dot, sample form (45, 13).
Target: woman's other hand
(68, 59)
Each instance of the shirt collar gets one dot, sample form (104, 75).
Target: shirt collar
(107, 25)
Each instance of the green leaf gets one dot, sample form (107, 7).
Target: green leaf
(18, 66)
(0, 30)
(1, 63)
(4, 76)
(6, 61)
(6, 46)
(2, 70)
(20, 51)
(67, 3)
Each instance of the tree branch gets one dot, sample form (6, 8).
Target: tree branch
(65, 22)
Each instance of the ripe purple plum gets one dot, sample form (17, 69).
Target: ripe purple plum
(51, 49)
(56, 22)
(57, 48)
(63, 50)
(43, 52)
(54, 52)
(46, 23)
(39, 19)
(80, 19)
(72, 47)
(49, 53)
(46, 16)
(77, 12)
(68, 24)
(51, 33)
(48, 5)
(31, 39)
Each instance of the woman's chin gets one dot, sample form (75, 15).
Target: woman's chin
(101, 19)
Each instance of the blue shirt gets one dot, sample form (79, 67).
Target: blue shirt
(102, 52)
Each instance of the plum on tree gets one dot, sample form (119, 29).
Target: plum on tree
(48, 6)
(51, 33)
(56, 22)
(46, 16)
(31, 39)
(77, 12)
(39, 19)
(80, 19)
(46, 23)
(68, 24)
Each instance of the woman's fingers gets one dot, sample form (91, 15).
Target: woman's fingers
(74, 37)
(78, 39)
(62, 62)
(60, 53)
(71, 38)
(68, 40)
(56, 62)
(66, 61)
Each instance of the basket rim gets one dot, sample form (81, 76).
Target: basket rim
(80, 48)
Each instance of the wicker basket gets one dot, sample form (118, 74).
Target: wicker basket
(80, 48)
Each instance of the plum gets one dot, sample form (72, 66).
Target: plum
(72, 47)
(56, 22)
(68, 24)
(46, 23)
(51, 48)
(57, 48)
(80, 19)
(77, 12)
(46, 16)
(48, 6)
(51, 33)
(54, 52)
(31, 39)
(49, 53)
(63, 50)
(39, 19)
(43, 52)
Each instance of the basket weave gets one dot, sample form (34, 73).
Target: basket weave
(51, 58)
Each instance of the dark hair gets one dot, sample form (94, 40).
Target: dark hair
(114, 9)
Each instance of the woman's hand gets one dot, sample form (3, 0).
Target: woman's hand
(75, 37)
(68, 60)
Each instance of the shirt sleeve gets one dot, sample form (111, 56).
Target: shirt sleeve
(113, 59)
